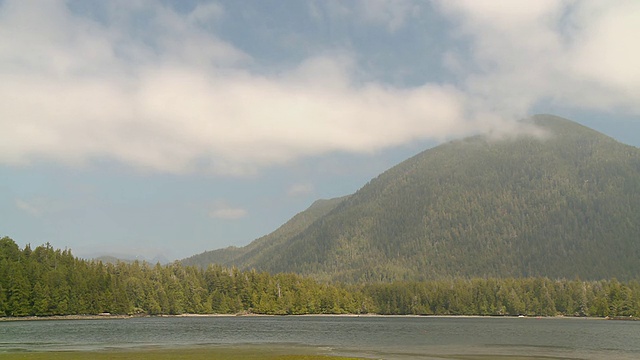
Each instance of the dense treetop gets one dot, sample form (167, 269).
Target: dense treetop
(562, 204)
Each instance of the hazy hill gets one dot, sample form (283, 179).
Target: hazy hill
(564, 205)
(111, 259)
(255, 253)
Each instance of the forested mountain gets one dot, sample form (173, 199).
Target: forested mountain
(562, 205)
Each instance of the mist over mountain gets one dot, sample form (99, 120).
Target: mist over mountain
(562, 205)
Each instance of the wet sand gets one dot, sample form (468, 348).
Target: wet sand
(231, 353)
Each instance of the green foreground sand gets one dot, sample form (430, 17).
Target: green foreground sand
(168, 354)
(220, 354)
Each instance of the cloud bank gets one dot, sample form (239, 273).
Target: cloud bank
(171, 96)
(573, 53)
(75, 89)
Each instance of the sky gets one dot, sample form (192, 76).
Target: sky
(145, 128)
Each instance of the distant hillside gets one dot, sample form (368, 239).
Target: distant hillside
(254, 253)
(110, 259)
(565, 205)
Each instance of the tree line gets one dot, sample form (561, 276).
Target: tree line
(45, 281)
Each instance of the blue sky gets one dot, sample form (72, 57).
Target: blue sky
(174, 127)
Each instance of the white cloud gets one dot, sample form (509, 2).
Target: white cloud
(177, 98)
(226, 212)
(574, 53)
(29, 208)
(38, 206)
(206, 12)
(606, 50)
(169, 95)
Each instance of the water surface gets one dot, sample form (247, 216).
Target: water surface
(374, 337)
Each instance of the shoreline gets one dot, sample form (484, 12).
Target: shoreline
(126, 317)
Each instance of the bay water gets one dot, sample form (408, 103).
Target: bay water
(368, 336)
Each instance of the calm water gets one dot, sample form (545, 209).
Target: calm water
(375, 337)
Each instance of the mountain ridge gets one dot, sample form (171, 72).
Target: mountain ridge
(561, 205)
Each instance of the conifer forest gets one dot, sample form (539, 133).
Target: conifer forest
(45, 281)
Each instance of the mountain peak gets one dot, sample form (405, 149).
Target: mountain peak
(565, 127)
(475, 208)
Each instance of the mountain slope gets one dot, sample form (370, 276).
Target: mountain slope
(564, 205)
(254, 253)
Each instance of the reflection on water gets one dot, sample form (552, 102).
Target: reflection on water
(374, 337)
